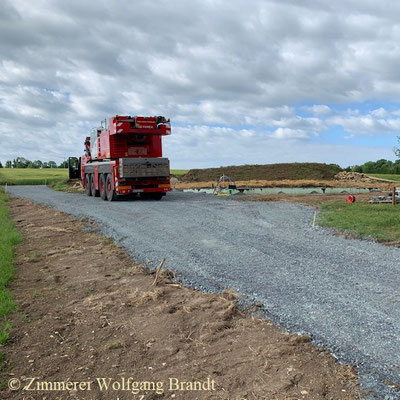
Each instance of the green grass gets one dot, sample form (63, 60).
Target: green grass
(31, 176)
(392, 177)
(377, 221)
(179, 172)
(61, 186)
(9, 237)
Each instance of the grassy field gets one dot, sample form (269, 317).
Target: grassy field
(179, 172)
(30, 176)
(9, 237)
(377, 221)
(392, 177)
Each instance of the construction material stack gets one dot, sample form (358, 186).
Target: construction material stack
(125, 158)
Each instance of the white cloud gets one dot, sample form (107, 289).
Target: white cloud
(66, 65)
(288, 133)
(367, 124)
(380, 113)
(319, 109)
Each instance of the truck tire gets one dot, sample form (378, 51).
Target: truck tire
(95, 192)
(88, 185)
(103, 192)
(111, 195)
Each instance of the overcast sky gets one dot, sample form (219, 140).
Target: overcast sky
(243, 82)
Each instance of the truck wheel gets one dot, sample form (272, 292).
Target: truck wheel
(103, 193)
(88, 185)
(111, 195)
(95, 192)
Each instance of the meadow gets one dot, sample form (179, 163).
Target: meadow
(31, 176)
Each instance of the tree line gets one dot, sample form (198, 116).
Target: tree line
(21, 162)
(377, 167)
(370, 167)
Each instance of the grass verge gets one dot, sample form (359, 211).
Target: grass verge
(378, 221)
(71, 186)
(391, 177)
(61, 186)
(9, 237)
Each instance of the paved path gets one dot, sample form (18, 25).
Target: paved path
(344, 293)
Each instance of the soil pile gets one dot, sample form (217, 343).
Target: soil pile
(353, 177)
(270, 172)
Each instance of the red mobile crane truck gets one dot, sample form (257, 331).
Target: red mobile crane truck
(124, 158)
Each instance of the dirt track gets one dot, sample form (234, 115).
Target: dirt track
(87, 311)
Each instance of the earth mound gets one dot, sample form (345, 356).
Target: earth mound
(272, 172)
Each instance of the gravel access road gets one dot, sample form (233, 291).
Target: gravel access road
(344, 293)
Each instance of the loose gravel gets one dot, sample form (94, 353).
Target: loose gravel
(343, 293)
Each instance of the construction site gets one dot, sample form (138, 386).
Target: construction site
(199, 200)
(228, 288)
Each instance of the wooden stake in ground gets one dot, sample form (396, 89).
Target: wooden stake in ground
(394, 195)
(315, 215)
(158, 270)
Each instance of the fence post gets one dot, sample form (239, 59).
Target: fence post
(394, 195)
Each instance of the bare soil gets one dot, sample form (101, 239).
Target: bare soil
(311, 199)
(288, 183)
(86, 310)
